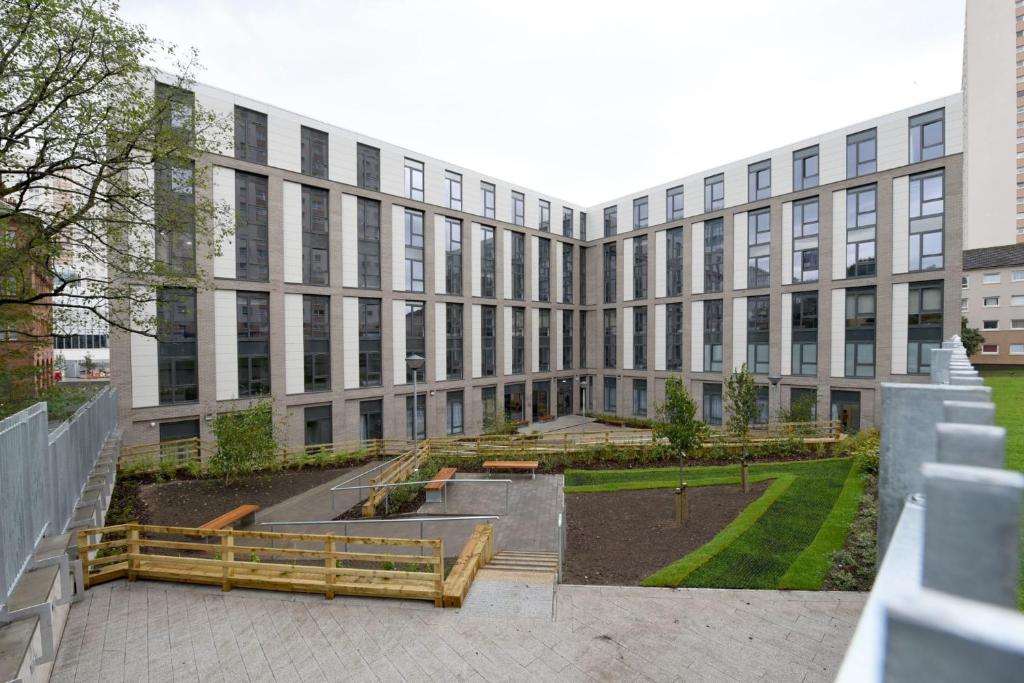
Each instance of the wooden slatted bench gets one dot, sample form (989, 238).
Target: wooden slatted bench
(435, 488)
(246, 514)
(512, 465)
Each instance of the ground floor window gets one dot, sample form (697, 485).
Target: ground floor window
(541, 400)
(319, 427)
(565, 396)
(640, 397)
(846, 409)
(803, 404)
(489, 401)
(611, 396)
(455, 411)
(515, 402)
(713, 404)
(416, 421)
(182, 436)
(371, 419)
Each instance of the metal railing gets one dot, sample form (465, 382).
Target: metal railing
(444, 489)
(401, 522)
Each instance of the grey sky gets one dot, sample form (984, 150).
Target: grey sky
(584, 100)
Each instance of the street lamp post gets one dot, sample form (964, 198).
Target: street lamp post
(774, 379)
(414, 362)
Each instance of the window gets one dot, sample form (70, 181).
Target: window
(759, 180)
(639, 337)
(253, 343)
(609, 338)
(861, 154)
(174, 215)
(518, 265)
(712, 404)
(927, 136)
(1016, 349)
(583, 275)
(414, 179)
(963, 305)
(805, 168)
(583, 225)
(990, 324)
(518, 208)
(965, 282)
(990, 279)
(713, 336)
(544, 339)
(453, 256)
(415, 339)
(1015, 300)
(990, 301)
(610, 396)
(761, 400)
(640, 397)
(714, 255)
(861, 218)
(180, 106)
(455, 412)
(543, 269)
(486, 261)
(515, 402)
(926, 221)
(177, 431)
(251, 259)
(487, 199)
(488, 335)
(518, 340)
(759, 237)
(453, 189)
(610, 283)
(250, 135)
(369, 343)
(416, 423)
(860, 332)
(413, 251)
(846, 409)
(176, 346)
(674, 337)
(989, 348)
(799, 397)
(542, 400)
(319, 429)
(567, 272)
(805, 334)
(1017, 276)
(369, 243)
(674, 203)
(368, 167)
(640, 212)
(583, 339)
(316, 342)
(454, 336)
(805, 240)
(371, 420)
(316, 269)
(544, 207)
(567, 221)
(757, 334)
(611, 221)
(489, 401)
(714, 192)
(640, 267)
(314, 152)
(567, 320)
(674, 262)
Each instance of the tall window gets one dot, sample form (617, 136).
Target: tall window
(927, 202)
(453, 189)
(927, 136)
(674, 203)
(640, 212)
(861, 153)
(861, 220)
(518, 340)
(176, 352)
(759, 237)
(674, 337)
(640, 397)
(583, 225)
(611, 221)
(454, 336)
(487, 199)
(488, 335)
(251, 259)
(518, 265)
(489, 402)
(369, 343)
(583, 339)
(805, 240)
(544, 339)
(805, 168)
(609, 338)
(860, 332)
(253, 343)
(713, 336)
(924, 329)
(414, 179)
(640, 267)
(515, 402)
(315, 266)
(639, 337)
(761, 401)
(453, 256)
(567, 221)
(486, 261)
(759, 180)
(805, 334)
(757, 334)
(371, 419)
(610, 282)
(314, 152)
(714, 192)
(367, 167)
(415, 338)
(319, 428)
(610, 396)
(714, 255)
(544, 269)
(803, 396)
(454, 410)
(416, 424)
(567, 338)
(674, 262)
(583, 276)
(250, 135)
(712, 404)
(316, 342)
(174, 215)
(544, 207)
(413, 251)
(567, 272)
(518, 208)
(369, 243)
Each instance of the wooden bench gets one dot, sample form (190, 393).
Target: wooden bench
(512, 465)
(246, 514)
(436, 486)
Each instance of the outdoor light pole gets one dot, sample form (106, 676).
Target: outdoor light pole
(774, 379)
(414, 362)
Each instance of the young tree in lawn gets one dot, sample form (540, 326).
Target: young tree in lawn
(677, 418)
(970, 337)
(741, 403)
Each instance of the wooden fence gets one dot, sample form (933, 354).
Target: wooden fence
(478, 551)
(397, 471)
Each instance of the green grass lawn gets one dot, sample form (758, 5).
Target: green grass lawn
(785, 539)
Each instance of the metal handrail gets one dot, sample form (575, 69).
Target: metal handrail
(507, 482)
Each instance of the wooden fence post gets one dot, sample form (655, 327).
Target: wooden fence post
(439, 577)
(565, 443)
(330, 565)
(133, 550)
(227, 555)
(83, 556)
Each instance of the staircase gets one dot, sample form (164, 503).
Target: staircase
(540, 563)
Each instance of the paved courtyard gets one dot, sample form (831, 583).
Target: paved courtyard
(147, 631)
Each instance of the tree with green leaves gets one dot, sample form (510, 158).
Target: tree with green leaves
(246, 440)
(677, 418)
(970, 337)
(741, 404)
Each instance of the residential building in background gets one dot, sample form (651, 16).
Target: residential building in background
(992, 300)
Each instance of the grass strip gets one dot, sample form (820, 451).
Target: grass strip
(677, 572)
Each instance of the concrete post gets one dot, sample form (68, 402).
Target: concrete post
(967, 444)
(972, 532)
(968, 412)
(941, 359)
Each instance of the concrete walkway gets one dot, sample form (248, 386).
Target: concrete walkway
(316, 503)
(167, 632)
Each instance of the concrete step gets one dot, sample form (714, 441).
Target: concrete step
(524, 561)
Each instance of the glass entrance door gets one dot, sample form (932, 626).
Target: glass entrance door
(846, 409)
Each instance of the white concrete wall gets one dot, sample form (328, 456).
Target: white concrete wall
(900, 224)
(556, 271)
(900, 323)
(440, 340)
(283, 138)
(397, 249)
(659, 336)
(476, 328)
(533, 322)
(440, 257)
(506, 259)
(294, 380)
(350, 341)
(697, 257)
(556, 336)
(533, 256)
(787, 243)
(739, 332)
(838, 332)
(659, 258)
(291, 225)
(349, 241)
(224, 197)
(839, 235)
(398, 341)
(627, 338)
(627, 269)
(739, 250)
(507, 335)
(475, 263)
(145, 367)
(697, 336)
(225, 339)
(787, 333)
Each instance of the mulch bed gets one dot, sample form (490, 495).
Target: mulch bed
(622, 537)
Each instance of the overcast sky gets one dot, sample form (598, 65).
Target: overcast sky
(584, 100)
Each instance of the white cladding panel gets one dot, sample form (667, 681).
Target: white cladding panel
(656, 206)
(291, 224)
(900, 225)
(900, 310)
(440, 230)
(660, 260)
(556, 337)
(787, 243)
(398, 248)
(739, 331)
(787, 333)
(533, 256)
(507, 337)
(893, 141)
(225, 340)
(782, 171)
(475, 268)
(506, 259)
(831, 159)
(145, 365)
(627, 338)
(477, 341)
(735, 183)
(350, 337)
(535, 339)
(839, 235)
(392, 170)
(294, 347)
(697, 336)
(556, 269)
(838, 332)
(341, 157)
(659, 336)
(349, 241)
(697, 257)
(220, 104)
(627, 269)
(398, 341)
(283, 142)
(693, 196)
(224, 198)
(739, 250)
(440, 338)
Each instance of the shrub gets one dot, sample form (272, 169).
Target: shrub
(245, 441)
(677, 419)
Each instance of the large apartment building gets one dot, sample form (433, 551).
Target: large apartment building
(827, 266)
